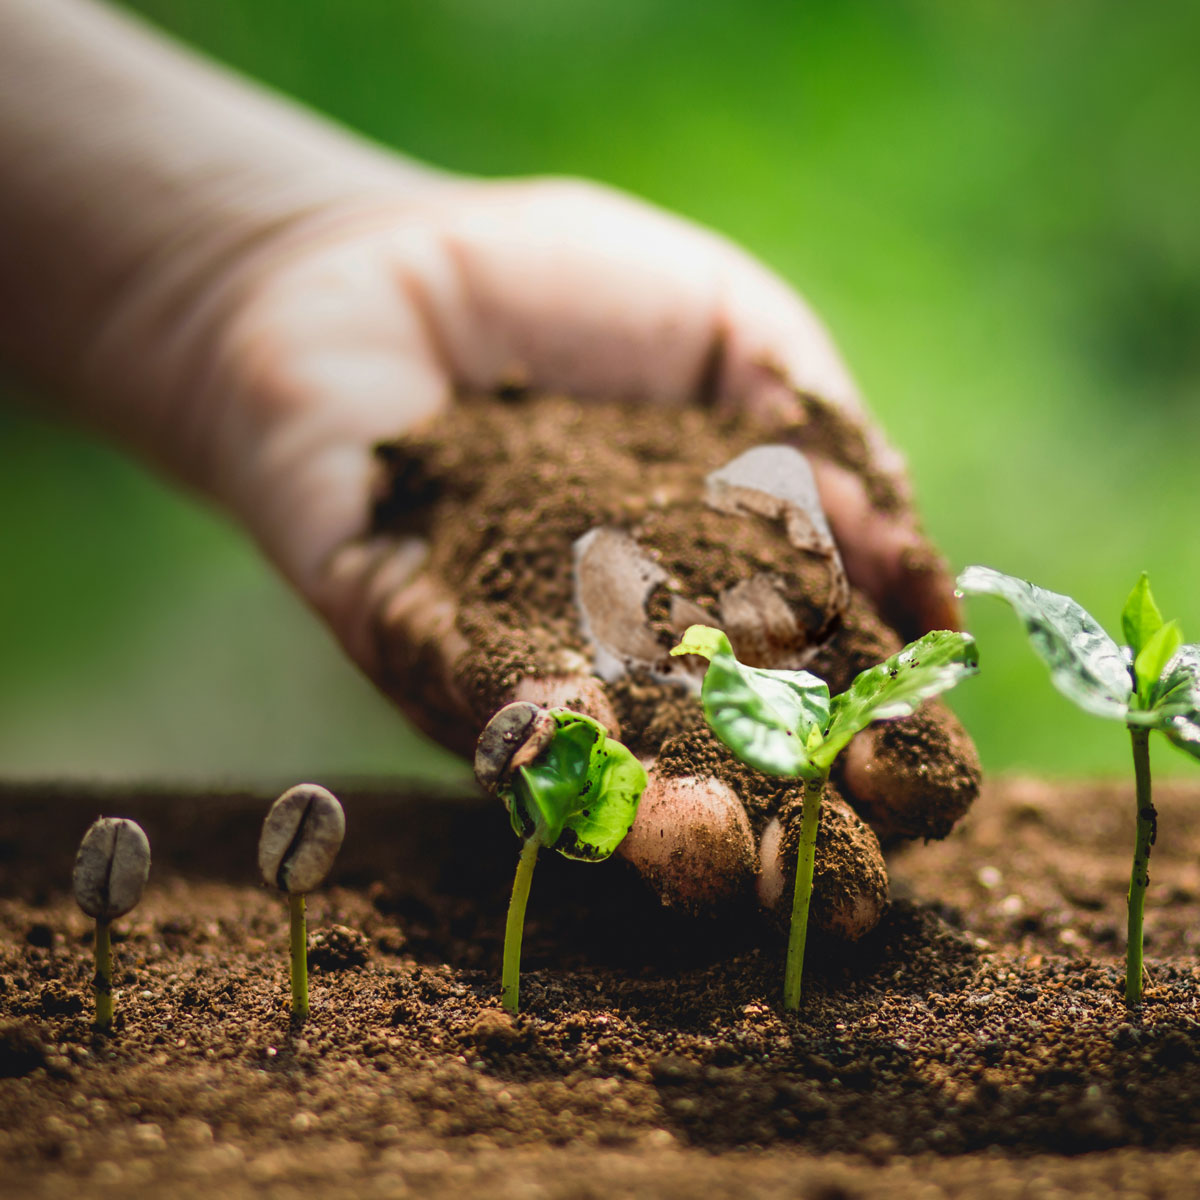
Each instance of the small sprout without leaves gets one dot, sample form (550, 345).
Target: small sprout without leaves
(785, 723)
(1152, 682)
(566, 785)
(301, 836)
(111, 869)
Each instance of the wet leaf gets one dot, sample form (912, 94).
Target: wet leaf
(1176, 700)
(766, 718)
(581, 794)
(897, 687)
(1140, 618)
(1086, 665)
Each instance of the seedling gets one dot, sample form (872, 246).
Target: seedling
(784, 723)
(300, 838)
(1152, 682)
(111, 869)
(567, 785)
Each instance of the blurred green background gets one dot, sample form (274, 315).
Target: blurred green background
(995, 206)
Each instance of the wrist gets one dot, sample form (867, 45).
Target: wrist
(139, 182)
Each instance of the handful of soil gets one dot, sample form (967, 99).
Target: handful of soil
(581, 539)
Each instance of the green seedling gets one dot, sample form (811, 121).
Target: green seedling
(785, 723)
(1152, 682)
(111, 869)
(300, 838)
(567, 785)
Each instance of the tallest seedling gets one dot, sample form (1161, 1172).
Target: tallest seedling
(1152, 682)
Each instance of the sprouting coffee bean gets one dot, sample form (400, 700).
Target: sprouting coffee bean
(300, 838)
(111, 867)
(513, 738)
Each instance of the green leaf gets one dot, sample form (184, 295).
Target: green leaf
(1153, 657)
(1140, 619)
(609, 803)
(703, 640)
(1086, 665)
(1175, 701)
(896, 687)
(765, 717)
(581, 794)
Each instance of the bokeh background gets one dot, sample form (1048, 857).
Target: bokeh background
(995, 206)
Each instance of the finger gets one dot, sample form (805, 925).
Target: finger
(886, 555)
(850, 885)
(913, 778)
(691, 842)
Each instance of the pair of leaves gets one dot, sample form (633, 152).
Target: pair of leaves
(784, 722)
(1154, 682)
(581, 794)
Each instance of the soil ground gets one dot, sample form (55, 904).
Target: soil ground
(976, 1045)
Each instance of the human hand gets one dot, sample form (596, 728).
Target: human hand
(355, 328)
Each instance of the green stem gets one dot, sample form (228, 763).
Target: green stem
(810, 818)
(299, 945)
(1139, 878)
(510, 979)
(102, 982)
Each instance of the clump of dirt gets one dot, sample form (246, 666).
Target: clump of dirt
(975, 1044)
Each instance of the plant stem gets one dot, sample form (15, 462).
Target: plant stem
(810, 817)
(102, 982)
(1147, 829)
(510, 979)
(299, 944)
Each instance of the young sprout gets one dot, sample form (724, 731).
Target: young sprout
(566, 785)
(301, 836)
(1153, 682)
(111, 869)
(784, 723)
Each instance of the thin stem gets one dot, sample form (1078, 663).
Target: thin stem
(1139, 878)
(299, 945)
(810, 817)
(102, 982)
(510, 979)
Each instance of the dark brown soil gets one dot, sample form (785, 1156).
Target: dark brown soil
(503, 490)
(975, 1045)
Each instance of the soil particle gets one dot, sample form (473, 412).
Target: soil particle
(338, 948)
(21, 1049)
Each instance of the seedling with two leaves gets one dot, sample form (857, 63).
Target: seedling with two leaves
(567, 785)
(785, 723)
(1152, 682)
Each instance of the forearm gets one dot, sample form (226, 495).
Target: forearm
(135, 175)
